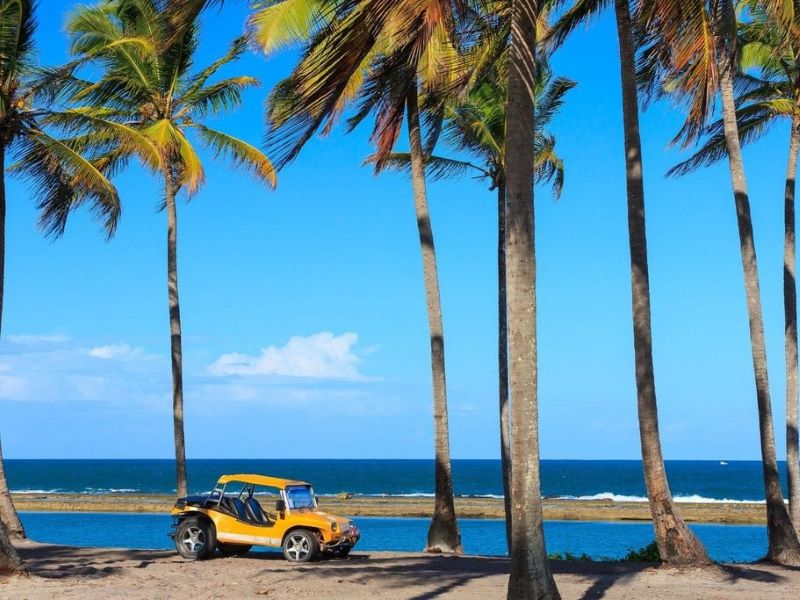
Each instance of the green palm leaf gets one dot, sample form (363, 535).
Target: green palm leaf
(222, 96)
(64, 180)
(436, 167)
(240, 153)
(278, 24)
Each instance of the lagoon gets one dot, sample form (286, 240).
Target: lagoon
(725, 543)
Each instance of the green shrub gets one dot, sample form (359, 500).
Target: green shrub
(569, 556)
(647, 554)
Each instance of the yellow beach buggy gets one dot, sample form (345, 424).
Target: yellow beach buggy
(232, 519)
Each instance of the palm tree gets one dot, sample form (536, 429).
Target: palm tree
(10, 562)
(383, 56)
(696, 49)
(8, 514)
(61, 176)
(148, 102)
(530, 572)
(769, 96)
(476, 125)
(677, 544)
(9, 558)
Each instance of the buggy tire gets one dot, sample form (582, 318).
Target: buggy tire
(195, 538)
(300, 545)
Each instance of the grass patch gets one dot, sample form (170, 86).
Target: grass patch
(648, 553)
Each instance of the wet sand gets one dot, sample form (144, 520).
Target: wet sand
(476, 508)
(70, 572)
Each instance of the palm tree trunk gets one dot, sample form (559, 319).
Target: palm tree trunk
(502, 358)
(8, 514)
(10, 563)
(176, 353)
(677, 544)
(9, 520)
(783, 544)
(443, 534)
(530, 576)
(790, 319)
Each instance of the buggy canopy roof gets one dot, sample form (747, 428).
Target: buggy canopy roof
(275, 482)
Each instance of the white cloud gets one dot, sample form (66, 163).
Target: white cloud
(320, 356)
(28, 339)
(11, 387)
(74, 371)
(117, 352)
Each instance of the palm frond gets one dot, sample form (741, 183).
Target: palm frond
(550, 100)
(219, 97)
(240, 153)
(238, 47)
(754, 121)
(581, 12)
(128, 138)
(17, 26)
(548, 166)
(64, 180)
(191, 174)
(278, 24)
(436, 167)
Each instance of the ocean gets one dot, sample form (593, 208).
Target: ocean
(691, 481)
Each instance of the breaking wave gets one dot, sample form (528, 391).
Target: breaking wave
(693, 498)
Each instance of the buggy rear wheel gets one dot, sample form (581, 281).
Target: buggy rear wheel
(195, 538)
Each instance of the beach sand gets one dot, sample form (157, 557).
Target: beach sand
(70, 572)
(470, 508)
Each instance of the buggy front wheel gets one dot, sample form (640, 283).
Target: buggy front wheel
(300, 546)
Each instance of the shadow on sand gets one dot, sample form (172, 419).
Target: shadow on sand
(56, 562)
(397, 572)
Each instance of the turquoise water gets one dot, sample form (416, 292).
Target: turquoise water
(725, 543)
(705, 481)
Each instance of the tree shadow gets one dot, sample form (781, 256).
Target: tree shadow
(605, 575)
(58, 562)
(432, 575)
(752, 572)
(401, 573)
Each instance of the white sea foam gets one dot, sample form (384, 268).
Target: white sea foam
(701, 499)
(694, 498)
(85, 491)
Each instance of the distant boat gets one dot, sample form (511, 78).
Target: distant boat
(722, 462)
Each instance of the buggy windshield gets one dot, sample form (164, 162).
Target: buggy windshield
(300, 496)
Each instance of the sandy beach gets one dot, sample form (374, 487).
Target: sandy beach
(473, 508)
(71, 572)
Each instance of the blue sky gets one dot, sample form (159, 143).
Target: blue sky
(305, 332)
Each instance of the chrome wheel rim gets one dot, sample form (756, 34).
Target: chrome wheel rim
(298, 547)
(193, 539)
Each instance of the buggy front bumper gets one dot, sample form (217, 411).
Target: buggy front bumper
(348, 539)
